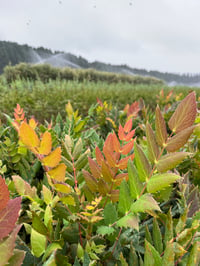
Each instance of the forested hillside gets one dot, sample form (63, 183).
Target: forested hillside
(13, 53)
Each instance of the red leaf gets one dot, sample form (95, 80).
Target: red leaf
(94, 168)
(4, 194)
(130, 135)
(119, 178)
(128, 126)
(9, 216)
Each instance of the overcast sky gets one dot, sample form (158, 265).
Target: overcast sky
(153, 34)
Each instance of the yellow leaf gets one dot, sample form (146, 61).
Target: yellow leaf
(64, 188)
(28, 136)
(46, 144)
(69, 109)
(32, 123)
(53, 159)
(58, 173)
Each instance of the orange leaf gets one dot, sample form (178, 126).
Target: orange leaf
(123, 163)
(109, 143)
(107, 173)
(103, 187)
(114, 195)
(116, 143)
(53, 158)
(127, 147)
(28, 136)
(58, 173)
(110, 157)
(130, 135)
(99, 156)
(46, 144)
(119, 178)
(121, 133)
(4, 194)
(94, 168)
(161, 131)
(128, 126)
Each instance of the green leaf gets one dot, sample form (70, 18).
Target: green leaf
(133, 258)
(157, 237)
(38, 243)
(185, 237)
(169, 161)
(76, 262)
(51, 261)
(178, 250)
(38, 225)
(105, 230)
(130, 221)
(124, 198)
(122, 260)
(168, 228)
(17, 258)
(79, 126)
(24, 188)
(153, 150)
(182, 221)
(185, 114)
(177, 141)
(86, 261)
(148, 235)
(145, 203)
(80, 251)
(194, 257)
(160, 181)
(47, 195)
(77, 149)
(168, 258)
(7, 246)
(110, 214)
(142, 163)
(151, 256)
(135, 184)
(68, 200)
(161, 131)
(51, 248)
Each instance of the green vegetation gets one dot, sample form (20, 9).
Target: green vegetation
(45, 100)
(13, 53)
(46, 72)
(107, 173)
(115, 187)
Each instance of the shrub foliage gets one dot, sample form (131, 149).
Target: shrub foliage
(120, 192)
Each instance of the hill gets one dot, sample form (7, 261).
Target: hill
(13, 53)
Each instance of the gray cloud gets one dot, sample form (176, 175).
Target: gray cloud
(156, 34)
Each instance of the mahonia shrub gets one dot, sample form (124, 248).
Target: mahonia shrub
(121, 201)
